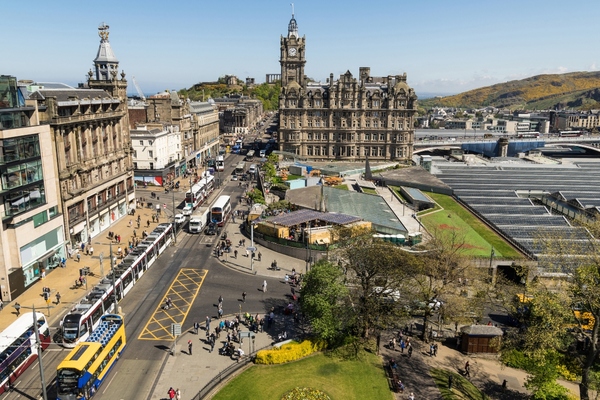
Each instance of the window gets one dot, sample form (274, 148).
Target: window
(141, 142)
(40, 218)
(150, 153)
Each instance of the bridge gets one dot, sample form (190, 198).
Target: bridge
(587, 142)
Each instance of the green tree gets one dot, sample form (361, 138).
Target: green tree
(444, 280)
(324, 301)
(375, 271)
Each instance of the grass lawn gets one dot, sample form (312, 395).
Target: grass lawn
(291, 177)
(369, 190)
(480, 238)
(461, 387)
(342, 187)
(340, 379)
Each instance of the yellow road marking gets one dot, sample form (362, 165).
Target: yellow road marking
(183, 291)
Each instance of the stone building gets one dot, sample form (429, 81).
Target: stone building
(205, 128)
(238, 115)
(168, 108)
(156, 152)
(32, 236)
(90, 131)
(349, 119)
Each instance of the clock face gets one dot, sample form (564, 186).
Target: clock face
(292, 51)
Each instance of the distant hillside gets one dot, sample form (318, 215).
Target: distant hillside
(579, 90)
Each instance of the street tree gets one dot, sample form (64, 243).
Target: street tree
(324, 302)
(375, 272)
(444, 280)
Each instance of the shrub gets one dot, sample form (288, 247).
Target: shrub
(289, 352)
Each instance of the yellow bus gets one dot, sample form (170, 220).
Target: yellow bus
(80, 374)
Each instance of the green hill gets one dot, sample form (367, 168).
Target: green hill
(579, 90)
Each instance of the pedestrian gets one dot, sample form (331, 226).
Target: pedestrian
(190, 347)
(134, 233)
(467, 369)
(220, 301)
(435, 349)
(178, 394)
(91, 250)
(220, 313)
(82, 246)
(78, 257)
(247, 253)
(235, 253)
(148, 224)
(207, 324)
(411, 396)
(259, 256)
(1, 305)
(171, 393)
(57, 297)
(211, 341)
(431, 350)
(264, 286)
(196, 327)
(130, 223)
(18, 308)
(244, 297)
(410, 350)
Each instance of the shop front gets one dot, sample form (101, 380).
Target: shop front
(38, 258)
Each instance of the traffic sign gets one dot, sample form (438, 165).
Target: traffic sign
(176, 329)
(251, 249)
(165, 206)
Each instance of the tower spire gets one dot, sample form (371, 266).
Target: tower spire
(293, 26)
(106, 64)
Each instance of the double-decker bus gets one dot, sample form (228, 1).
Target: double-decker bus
(220, 210)
(80, 374)
(220, 163)
(200, 191)
(85, 316)
(18, 347)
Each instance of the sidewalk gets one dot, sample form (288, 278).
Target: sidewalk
(63, 279)
(176, 371)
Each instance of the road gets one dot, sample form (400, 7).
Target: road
(140, 363)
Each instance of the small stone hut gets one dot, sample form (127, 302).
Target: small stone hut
(479, 339)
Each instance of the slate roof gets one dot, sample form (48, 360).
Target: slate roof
(303, 216)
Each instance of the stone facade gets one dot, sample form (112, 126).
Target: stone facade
(349, 119)
(90, 131)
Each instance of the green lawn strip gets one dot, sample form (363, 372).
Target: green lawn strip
(501, 247)
(339, 379)
(446, 221)
(461, 387)
(369, 190)
(342, 187)
(291, 177)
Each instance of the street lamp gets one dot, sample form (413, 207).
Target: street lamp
(174, 225)
(38, 345)
(492, 254)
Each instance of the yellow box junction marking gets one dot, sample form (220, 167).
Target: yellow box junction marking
(183, 291)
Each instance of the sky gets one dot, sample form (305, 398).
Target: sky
(444, 47)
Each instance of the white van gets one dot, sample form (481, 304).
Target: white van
(252, 169)
(263, 153)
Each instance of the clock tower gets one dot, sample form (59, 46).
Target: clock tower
(292, 55)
